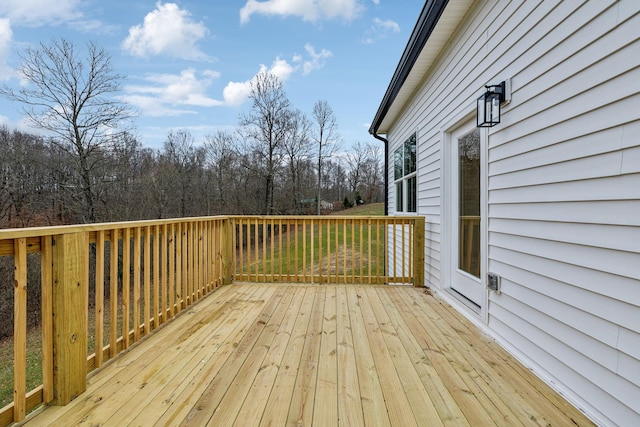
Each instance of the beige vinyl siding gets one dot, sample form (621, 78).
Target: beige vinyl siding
(563, 186)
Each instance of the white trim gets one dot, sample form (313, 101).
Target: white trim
(457, 122)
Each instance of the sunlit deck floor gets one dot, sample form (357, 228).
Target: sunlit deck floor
(302, 355)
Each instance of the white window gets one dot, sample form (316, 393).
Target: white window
(405, 176)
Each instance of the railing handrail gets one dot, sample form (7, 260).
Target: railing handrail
(50, 230)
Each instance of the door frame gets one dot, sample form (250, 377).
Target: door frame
(456, 124)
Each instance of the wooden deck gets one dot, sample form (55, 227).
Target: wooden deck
(302, 355)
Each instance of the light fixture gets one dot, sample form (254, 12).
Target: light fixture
(488, 110)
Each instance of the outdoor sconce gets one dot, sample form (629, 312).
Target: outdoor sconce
(488, 110)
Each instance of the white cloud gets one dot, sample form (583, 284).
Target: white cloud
(40, 12)
(169, 94)
(6, 36)
(235, 93)
(166, 30)
(317, 59)
(308, 10)
(380, 29)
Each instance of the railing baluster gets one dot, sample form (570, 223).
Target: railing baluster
(20, 329)
(46, 261)
(137, 302)
(186, 291)
(146, 281)
(126, 286)
(99, 309)
(156, 276)
(172, 258)
(113, 295)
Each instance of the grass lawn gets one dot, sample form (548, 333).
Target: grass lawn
(371, 209)
(34, 365)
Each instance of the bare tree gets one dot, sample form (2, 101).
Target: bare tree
(326, 137)
(373, 178)
(297, 147)
(184, 161)
(222, 160)
(73, 98)
(356, 159)
(266, 125)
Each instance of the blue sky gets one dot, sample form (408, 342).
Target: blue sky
(188, 64)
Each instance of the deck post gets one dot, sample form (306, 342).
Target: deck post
(418, 252)
(227, 251)
(70, 311)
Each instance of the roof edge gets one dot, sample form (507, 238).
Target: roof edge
(429, 17)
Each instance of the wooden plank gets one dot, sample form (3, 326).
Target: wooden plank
(325, 410)
(186, 352)
(175, 402)
(301, 409)
(373, 401)
(398, 405)
(227, 410)
(217, 389)
(20, 329)
(444, 403)
(46, 261)
(418, 397)
(255, 402)
(277, 407)
(119, 384)
(348, 390)
(458, 376)
(520, 388)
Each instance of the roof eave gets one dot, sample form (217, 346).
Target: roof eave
(429, 17)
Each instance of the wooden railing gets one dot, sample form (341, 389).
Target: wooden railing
(156, 270)
(105, 286)
(329, 249)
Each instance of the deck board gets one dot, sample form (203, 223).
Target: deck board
(310, 355)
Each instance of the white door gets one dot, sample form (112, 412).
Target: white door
(466, 201)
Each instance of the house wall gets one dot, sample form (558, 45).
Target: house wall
(563, 186)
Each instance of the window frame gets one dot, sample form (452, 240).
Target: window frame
(405, 171)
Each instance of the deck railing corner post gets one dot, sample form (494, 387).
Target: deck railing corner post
(227, 251)
(418, 251)
(70, 261)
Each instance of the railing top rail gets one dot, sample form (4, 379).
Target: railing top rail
(15, 233)
(328, 217)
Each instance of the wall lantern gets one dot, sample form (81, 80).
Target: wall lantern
(488, 110)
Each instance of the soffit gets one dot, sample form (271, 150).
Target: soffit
(444, 29)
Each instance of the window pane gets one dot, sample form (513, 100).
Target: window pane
(399, 197)
(412, 194)
(397, 161)
(469, 203)
(410, 155)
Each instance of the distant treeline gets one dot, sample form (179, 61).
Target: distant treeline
(41, 181)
